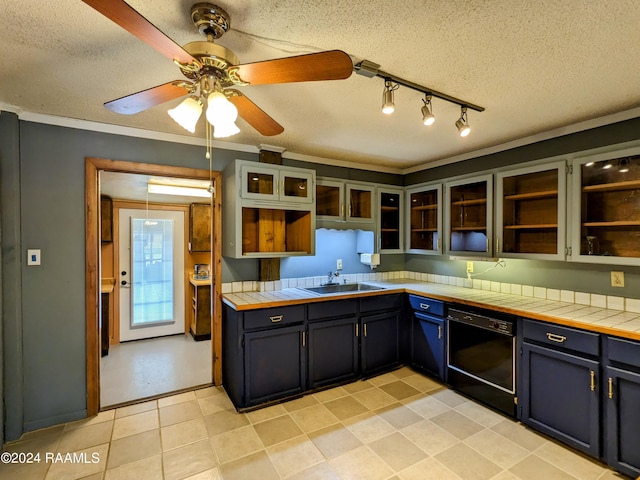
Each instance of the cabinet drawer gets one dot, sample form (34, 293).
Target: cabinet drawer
(332, 309)
(422, 304)
(624, 351)
(380, 302)
(562, 337)
(273, 317)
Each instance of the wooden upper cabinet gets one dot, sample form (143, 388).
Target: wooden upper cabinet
(470, 215)
(200, 227)
(530, 212)
(606, 190)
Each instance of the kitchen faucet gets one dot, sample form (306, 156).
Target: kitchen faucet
(330, 277)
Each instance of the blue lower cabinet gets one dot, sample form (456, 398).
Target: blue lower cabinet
(428, 345)
(275, 364)
(333, 351)
(559, 396)
(380, 342)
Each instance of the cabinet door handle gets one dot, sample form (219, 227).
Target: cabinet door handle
(342, 210)
(364, 329)
(357, 333)
(349, 215)
(304, 339)
(592, 374)
(498, 245)
(425, 306)
(439, 332)
(610, 387)
(556, 338)
(276, 318)
(487, 245)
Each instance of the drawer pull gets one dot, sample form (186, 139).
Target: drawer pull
(593, 380)
(556, 338)
(610, 387)
(276, 318)
(425, 306)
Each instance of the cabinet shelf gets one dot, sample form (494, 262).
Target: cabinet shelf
(469, 229)
(531, 227)
(532, 195)
(612, 187)
(419, 230)
(477, 201)
(619, 223)
(384, 208)
(389, 230)
(424, 207)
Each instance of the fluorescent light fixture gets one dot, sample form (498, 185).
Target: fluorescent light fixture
(187, 113)
(178, 190)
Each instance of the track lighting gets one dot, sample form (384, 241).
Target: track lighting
(387, 97)
(187, 113)
(427, 111)
(462, 124)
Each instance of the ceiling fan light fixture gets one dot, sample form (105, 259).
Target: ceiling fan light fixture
(388, 105)
(462, 124)
(427, 111)
(187, 113)
(225, 130)
(222, 114)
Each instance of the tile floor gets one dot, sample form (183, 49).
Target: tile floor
(397, 426)
(146, 368)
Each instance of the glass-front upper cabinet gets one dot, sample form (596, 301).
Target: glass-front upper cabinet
(330, 199)
(360, 202)
(390, 207)
(424, 219)
(274, 182)
(530, 212)
(469, 217)
(606, 188)
(344, 201)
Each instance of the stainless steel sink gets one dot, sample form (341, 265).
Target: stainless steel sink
(344, 287)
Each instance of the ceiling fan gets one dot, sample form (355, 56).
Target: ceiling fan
(212, 70)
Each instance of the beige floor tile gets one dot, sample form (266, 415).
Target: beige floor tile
(302, 402)
(469, 464)
(236, 443)
(422, 383)
(383, 379)
(224, 421)
(374, 398)
(357, 386)
(188, 460)
(397, 451)
(133, 424)
(133, 448)
(497, 448)
(577, 465)
(345, 407)
(74, 470)
(85, 437)
(430, 437)
(428, 469)
(149, 468)
(255, 466)
(335, 440)
(24, 471)
(137, 408)
(403, 372)
(175, 399)
(267, 413)
(277, 430)
(295, 455)
(480, 414)
(183, 433)
(369, 427)
(399, 416)
(427, 406)
(518, 433)
(313, 418)
(360, 464)
(449, 397)
(44, 440)
(534, 468)
(457, 424)
(399, 390)
(321, 471)
(215, 403)
(205, 392)
(179, 412)
(507, 475)
(211, 474)
(106, 416)
(331, 394)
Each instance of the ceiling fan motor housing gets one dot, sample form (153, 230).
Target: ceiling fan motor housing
(210, 19)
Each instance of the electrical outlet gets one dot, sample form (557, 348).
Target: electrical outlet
(339, 264)
(617, 279)
(469, 267)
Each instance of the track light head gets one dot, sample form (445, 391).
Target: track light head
(462, 124)
(427, 111)
(387, 97)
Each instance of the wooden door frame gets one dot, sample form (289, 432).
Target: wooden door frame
(92, 262)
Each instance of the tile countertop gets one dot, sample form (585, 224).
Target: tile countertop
(613, 322)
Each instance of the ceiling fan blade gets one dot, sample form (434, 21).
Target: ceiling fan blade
(137, 102)
(255, 116)
(331, 65)
(124, 15)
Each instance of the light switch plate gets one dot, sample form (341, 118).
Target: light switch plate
(339, 264)
(617, 279)
(33, 257)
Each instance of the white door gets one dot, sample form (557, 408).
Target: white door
(151, 273)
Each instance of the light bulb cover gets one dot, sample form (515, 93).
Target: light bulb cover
(225, 130)
(462, 125)
(388, 106)
(427, 117)
(220, 111)
(187, 113)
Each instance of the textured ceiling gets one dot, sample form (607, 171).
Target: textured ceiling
(534, 66)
